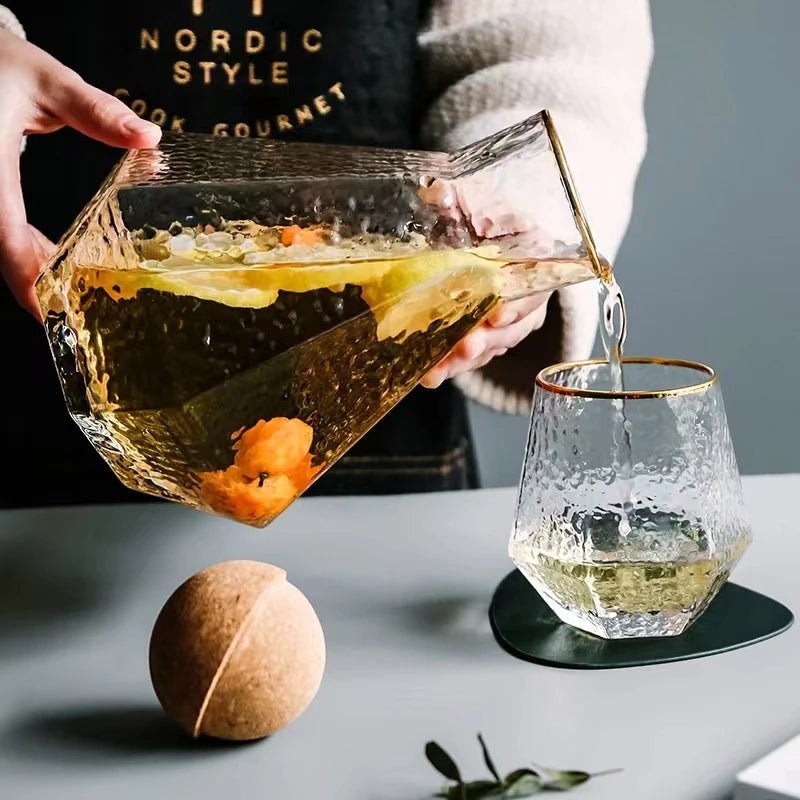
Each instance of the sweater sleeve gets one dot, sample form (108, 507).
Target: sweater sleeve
(10, 23)
(491, 63)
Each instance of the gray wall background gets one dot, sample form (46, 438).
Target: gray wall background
(711, 263)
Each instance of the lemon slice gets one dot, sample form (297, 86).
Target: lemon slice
(234, 285)
(220, 286)
(443, 300)
(382, 280)
(441, 288)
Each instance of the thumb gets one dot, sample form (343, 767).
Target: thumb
(23, 249)
(98, 115)
(23, 253)
(19, 257)
(35, 252)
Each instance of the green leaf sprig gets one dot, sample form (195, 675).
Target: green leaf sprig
(523, 782)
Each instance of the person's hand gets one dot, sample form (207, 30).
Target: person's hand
(491, 216)
(505, 328)
(41, 95)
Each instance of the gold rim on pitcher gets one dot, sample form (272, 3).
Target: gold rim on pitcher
(632, 394)
(600, 266)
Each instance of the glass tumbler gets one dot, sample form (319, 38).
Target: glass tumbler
(629, 515)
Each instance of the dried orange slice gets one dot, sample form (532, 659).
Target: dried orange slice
(273, 447)
(303, 473)
(230, 492)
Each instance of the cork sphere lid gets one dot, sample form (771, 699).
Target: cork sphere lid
(237, 652)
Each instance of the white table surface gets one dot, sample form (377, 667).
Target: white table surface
(401, 586)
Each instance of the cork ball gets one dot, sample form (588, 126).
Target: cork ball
(237, 652)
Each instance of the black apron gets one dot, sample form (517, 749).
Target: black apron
(342, 72)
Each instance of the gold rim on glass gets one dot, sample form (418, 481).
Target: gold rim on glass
(695, 388)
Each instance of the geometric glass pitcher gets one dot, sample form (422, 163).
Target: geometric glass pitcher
(228, 317)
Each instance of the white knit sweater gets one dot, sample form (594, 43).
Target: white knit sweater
(495, 62)
(491, 63)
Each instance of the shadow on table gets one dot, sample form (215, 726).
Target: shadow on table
(104, 734)
(455, 625)
(58, 566)
(462, 617)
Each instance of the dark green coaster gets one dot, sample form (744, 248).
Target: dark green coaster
(525, 627)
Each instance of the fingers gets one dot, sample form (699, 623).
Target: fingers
(41, 249)
(511, 335)
(44, 245)
(22, 257)
(39, 95)
(472, 352)
(452, 366)
(16, 258)
(509, 313)
(97, 114)
(508, 325)
(434, 378)
(12, 206)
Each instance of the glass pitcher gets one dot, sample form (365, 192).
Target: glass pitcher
(228, 317)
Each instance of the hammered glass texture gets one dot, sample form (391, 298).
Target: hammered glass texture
(684, 478)
(193, 179)
(164, 360)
